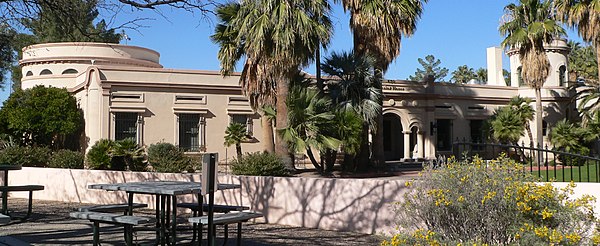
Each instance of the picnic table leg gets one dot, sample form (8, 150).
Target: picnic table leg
(174, 222)
(96, 232)
(239, 235)
(128, 235)
(157, 208)
(195, 214)
(29, 205)
(163, 232)
(5, 195)
(226, 237)
(167, 224)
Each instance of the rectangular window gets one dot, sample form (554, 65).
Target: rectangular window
(244, 120)
(126, 125)
(189, 132)
(444, 135)
(477, 133)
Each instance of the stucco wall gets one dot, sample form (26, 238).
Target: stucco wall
(361, 205)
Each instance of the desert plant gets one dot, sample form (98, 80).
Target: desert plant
(98, 156)
(491, 203)
(25, 156)
(167, 158)
(131, 154)
(259, 164)
(66, 159)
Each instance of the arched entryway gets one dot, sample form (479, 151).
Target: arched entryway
(393, 139)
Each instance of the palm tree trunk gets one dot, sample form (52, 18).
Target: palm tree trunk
(529, 133)
(238, 150)
(362, 161)
(268, 140)
(538, 124)
(314, 161)
(318, 69)
(281, 147)
(598, 55)
(378, 153)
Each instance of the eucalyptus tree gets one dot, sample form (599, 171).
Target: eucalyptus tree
(584, 15)
(277, 38)
(527, 26)
(378, 27)
(355, 88)
(463, 74)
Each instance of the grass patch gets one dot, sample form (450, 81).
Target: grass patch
(585, 173)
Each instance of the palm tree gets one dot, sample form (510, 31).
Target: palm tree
(583, 15)
(507, 127)
(378, 27)
(355, 89)
(588, 100)
(481, 75)
(310, 119)
(235, 134)
(527, 27)
(131, 152)
(520, 106)
(463, 74)
(277, 38)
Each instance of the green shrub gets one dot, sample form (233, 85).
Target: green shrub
(127, 155)
(491, 203)
(25, 156)
(66, 159)
(98, 157)
(259, 164)
(167, 158)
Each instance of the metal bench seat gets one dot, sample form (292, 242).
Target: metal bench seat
(226, 219)
(111, 208)
(18, 188)
(127, 221)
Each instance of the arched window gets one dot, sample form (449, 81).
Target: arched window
(70, 71)
(562, 75)
(45, 72)
(520, 77)
(29, 73)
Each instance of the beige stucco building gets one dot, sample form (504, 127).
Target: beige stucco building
(125, 92)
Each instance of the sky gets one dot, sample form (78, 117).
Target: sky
(455, 31)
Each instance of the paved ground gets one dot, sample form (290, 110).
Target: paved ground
(50, 225)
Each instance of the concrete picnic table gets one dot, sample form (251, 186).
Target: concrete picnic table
(166, 193)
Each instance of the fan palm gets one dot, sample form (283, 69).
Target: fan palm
(378, 27)
(310, 118)
(520, 106)
(585, 16)
(277, 38)
(507, 126)
(527, 27)
(355, 89)
(588, 100)
(481, 75)
(463, 74)
(234, 135)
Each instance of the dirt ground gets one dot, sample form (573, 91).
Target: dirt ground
(50, 224)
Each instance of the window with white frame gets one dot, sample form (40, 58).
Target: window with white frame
(243, 119)
(191, 132)
(126, 125)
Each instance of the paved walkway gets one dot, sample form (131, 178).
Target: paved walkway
(50, 224)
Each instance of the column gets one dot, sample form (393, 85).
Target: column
(420, 147)
(407, 146)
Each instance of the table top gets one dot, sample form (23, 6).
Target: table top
(10, 167)
(160, 187)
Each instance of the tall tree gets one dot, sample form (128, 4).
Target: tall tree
(463, 74)
(588, 100)
(481, 75)
(431, 66)
(355, 89)
(527, 27)
(378, 27)
(583, 64)
(584, 15)
(277, 38)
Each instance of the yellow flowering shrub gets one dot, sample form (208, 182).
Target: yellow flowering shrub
(492, 202)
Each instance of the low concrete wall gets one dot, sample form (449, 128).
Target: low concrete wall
(360, 205)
